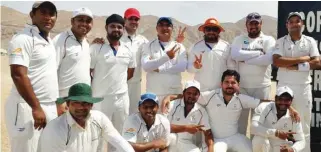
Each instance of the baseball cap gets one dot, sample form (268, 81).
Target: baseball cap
(115, 18)
(211, 22)
(294, 14)
(253, 17)
(284, 89)
(45, 4)
(148, 96)
(131, 12)
(80, 92)
(166, 19)
(82, 11)
(192, 83)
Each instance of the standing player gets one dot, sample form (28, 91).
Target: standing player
(273, 124)
(112, 64)
(32, 59)
(73, 56)
(294, 55)
(146, 130)
(210, 57)
(164, 60)
(136, 43)
(254, 55)
(188, 119)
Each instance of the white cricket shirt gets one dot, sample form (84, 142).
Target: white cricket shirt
(29, 49)
(265, 123)
(63, 134)
(306, 46)
(136, 43)
(224, 118)
(215, 61)
(135, 129)
(110, 71)
(256, 53)
(168, 79)
(73, 59)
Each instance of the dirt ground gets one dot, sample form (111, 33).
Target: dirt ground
(6, 84)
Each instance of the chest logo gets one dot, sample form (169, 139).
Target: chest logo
(218, 105)
(177, 119)
(246, 42)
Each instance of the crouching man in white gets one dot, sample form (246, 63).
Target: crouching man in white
(146, 130)
(273, 127)
(80, 129)
(188, 119)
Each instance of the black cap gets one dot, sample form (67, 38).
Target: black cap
(166, 19)
(115, 18)
(44, 4)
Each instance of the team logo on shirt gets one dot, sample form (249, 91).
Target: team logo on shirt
(131, 130)
(285, 125)
(177, 119)
(246, 42)
(218, 105)
(17, 51)
(260, 42)
(273, 123)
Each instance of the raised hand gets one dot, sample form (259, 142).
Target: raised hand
(181, 35)
(171, 53)
(198, 62)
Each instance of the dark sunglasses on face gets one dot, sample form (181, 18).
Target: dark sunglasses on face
(133, 19)
(254, 16)
(213, 28)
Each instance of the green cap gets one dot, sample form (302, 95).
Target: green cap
(80, 92)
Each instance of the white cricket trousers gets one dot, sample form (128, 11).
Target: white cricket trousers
(134, 92)
(302, 102)
(181, 145)
(235, 143)
(116, 108)
(19, 121)
(260, 93)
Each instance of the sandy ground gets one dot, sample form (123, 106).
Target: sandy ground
(6, 84)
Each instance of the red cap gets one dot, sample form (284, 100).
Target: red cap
(131, 12)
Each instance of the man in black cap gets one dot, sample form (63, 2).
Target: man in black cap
(112, 64)
(32, 59)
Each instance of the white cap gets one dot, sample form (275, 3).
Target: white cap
(192, 83)
(284, 89)
(82, 11)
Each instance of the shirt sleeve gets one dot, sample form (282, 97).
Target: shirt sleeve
(94, 48)
(314, 52)
(258, 120)
(230, 63)
(205, 120)
(299, 137)
(248, 101)
(278, 47)
(205, 97)
(111, 135)
(149, 64)
(167, 131)
(177, 64)
(238, 54)
(20, 51)
(52, 141)
(130, 131)
(265, 59)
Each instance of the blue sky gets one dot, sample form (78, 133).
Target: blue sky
(190, 12)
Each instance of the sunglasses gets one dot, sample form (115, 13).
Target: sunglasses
(253, 16)
(211, 28)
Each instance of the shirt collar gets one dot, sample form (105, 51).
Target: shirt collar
(70, 33)
(35, 29)
(71, 121)
(131, 36)
(288, 37)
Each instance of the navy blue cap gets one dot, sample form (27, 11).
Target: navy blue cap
(148, 96)
(166, 19)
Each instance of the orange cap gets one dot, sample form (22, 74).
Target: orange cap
(211, 22)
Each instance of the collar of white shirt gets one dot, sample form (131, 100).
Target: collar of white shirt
(131, 36)
(35, 29)
(72, 123)
(182, 104)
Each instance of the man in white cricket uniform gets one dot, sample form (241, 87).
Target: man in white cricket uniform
(136, 43)
(272, 124)
(253, 51)
(294, 55)
(190, 127)
(112, 64)
(164, 60)
(210, 57)
(32, 59)
(73, 55)
(79, 129)
(147, 130)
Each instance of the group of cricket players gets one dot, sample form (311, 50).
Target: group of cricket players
(71, 95)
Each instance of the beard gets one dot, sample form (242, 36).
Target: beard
(254, 34)
(229, 91)
(115, 36)
(211, 39)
